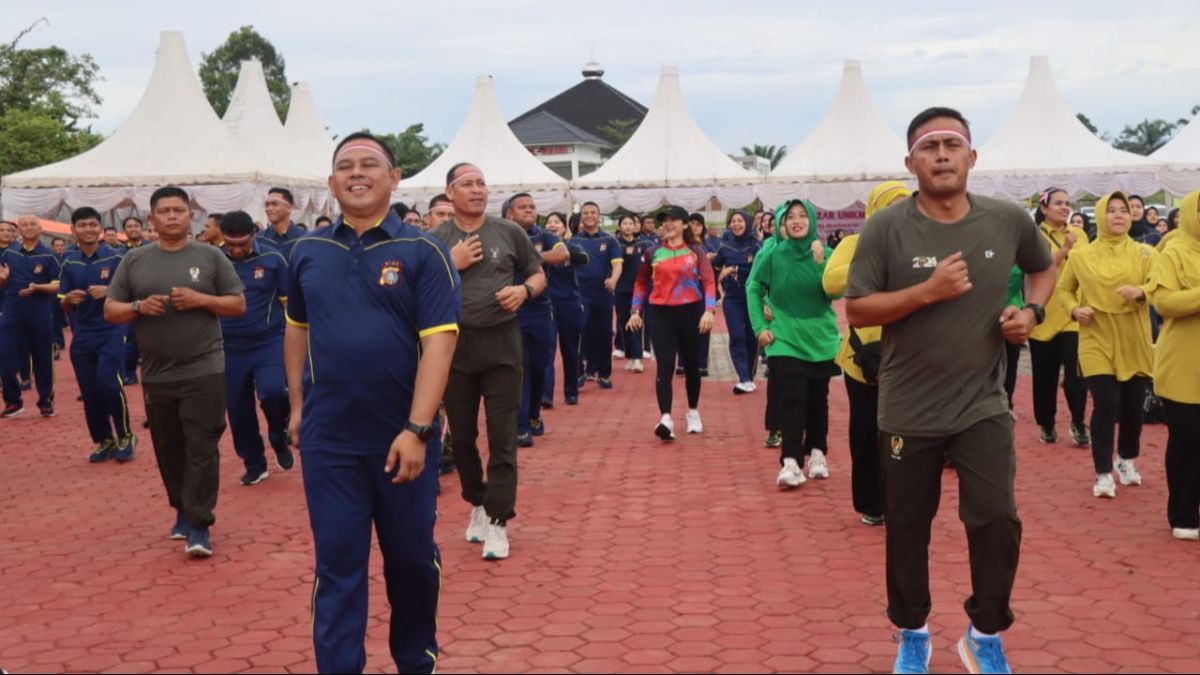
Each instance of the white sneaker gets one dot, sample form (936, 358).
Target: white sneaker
(790, 475)
(1104, 487)
(743, 388)
(629, 365)
(694, 425)
(477, 527)
(648, 354)
(1128, 472)
(637, 366)
(495, 543)
(666, 428)
(753, 386)
(817, 466)
(618, 354)
(1186, 534)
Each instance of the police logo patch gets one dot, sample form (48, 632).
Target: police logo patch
(37, 269)
(389, 276)
(105, 273)
(538, 247)
(260, 273)
(603, 248)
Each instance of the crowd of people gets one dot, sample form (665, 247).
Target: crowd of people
(355, 337)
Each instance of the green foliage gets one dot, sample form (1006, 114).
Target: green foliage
(617, 132)
(413, 150)
(48, 80)
(1145, 137)
(771, 153)
(30, 139)
(1087, 122)
(219, 69)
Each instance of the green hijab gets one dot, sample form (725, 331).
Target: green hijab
(791, 275)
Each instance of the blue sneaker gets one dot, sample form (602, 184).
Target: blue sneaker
(198, 543)
(283, 454)
(181, 527)
(537, 427)
(914, 653)
(604, 382)
(103, 451)
(125, 448)
(524, 440)
(982, 655)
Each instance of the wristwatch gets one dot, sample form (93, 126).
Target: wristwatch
(529, 290)
(422, 431)
(1039, 312)
(136, 304)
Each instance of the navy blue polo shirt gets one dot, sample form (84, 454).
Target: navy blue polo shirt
(366, 303)
(35, 266)
(602, 249)
(80, 271)
(561, 284)
(265, 274)
(284, 242)
(739, 254)
(537, 309)
(631, 253)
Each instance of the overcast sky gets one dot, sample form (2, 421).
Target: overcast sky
(752, 72)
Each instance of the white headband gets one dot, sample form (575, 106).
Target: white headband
(469, 174)
(938, 132)
(370, 147)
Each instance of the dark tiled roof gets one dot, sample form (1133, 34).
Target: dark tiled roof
(543, 128)
(589, 105)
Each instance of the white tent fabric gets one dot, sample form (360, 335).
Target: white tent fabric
(173, 137)
(846, 155)
(668, 158)
(1182, 157)
(485, 140)
(1044, 144)
(307, 133)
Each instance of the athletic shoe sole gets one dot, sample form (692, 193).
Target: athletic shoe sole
(1096, 492)
(261, 477)
(787, 484)
(664, 432)
(176, 536)
(198, 551)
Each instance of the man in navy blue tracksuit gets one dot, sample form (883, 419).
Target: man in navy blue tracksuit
(97, 347)
(29, 274)
(562, 287)
(597, 280)
(254, 348)
(734, 257)
(535, 318)
(281, 232)
(372, 323)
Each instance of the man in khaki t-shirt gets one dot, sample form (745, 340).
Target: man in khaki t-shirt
(933, 270)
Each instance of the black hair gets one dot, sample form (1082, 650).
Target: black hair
(587, 204)
(1172, 219)
(508, 203)
(440, 199)
(1044, 198)
(934, 113)
(7, 222)
(454, 169)
(327, 219)
(215, 216)
(107, 228)
(413, 211)
(560, 215)
(573, 223)
(166, 192)
(283, 192)
(1152, 208)
(126, 219)
(237, 224)
(367, 136)
(1137, 197)
(85, 212)
(400, 208)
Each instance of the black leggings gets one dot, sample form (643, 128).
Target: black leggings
(1114, 402)
(1059, 352)
(866, 473)
(675, 331)
(803, 406)
(1183, 463)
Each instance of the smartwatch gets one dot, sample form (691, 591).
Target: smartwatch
(1039, 312)
(529, 290)
(422, 431)
(136, 306)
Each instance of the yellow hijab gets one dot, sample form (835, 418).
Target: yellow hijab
(1112, 261)
(1184, 248)
(884, 194)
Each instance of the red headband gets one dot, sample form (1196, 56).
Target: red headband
(370, 147)
(468, 174)
(949, 132)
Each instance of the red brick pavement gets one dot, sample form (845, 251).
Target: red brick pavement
(628, 555)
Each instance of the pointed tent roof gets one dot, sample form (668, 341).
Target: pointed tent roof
(852, 141)
(668, 149)
(252, 119)
(172, 113)
(1043, 137)
(486, 141)
(307, 133)
(1183, 151)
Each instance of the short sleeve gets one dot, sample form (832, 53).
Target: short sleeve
(54, 270)
(119, 289)
(529, 262)
(297, 311)
(550, 241)
(439, 290)
(615, 252)
(281, 276)
(868, 267)
(1033, 251)
(64, 280)
(227, 281)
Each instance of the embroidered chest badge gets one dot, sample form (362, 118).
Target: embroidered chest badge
(37, 269)
(603, 248)
(260, 273)
(924, 262)
(389, 276)
(989, 254)
(194, 273)
(105, 273)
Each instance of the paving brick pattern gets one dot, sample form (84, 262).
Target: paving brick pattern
(628, 556)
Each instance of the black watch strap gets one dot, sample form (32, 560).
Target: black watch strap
(1039, 312)
(529, 290)
(421, 431)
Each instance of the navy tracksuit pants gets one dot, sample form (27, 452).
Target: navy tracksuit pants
(256, 371)
(537, 342)
(743, 344)
(568, 323)
(131, 355)
(347, 494)
(628, 341)
(35, 329)
(97, 358)
(598, 333)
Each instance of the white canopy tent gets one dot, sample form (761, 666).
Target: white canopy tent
(668, 159)
(850, 151)
(1182, 157)
(307, 133)
(173, 137)
(485, 140)
(1043, 144)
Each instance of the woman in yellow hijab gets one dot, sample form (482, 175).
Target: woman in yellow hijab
(1176, 296)
(866, 477)
(1104, 286)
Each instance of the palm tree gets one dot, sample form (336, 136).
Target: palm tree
(771, 153)
(1145, 137)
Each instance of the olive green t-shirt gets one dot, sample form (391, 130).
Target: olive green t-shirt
(177, 345)
(943, 365)
(507, 253)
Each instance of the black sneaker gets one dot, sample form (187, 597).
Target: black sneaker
(774, 439)
(1048, 435)
(679, 370)
(704, 372)
(873, 521)
(604, 382)
(123, 452)
(198, 543)
(547, 404)
(145, 424)
(1079, 434)
(283, 454)
(103, 451)
(524, 440)
(11, 411)
(254, 477)
(46, 409)
(181, 527)
(26, 385)
(572, 400)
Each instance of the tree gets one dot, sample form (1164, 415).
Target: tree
(617, 132)
(49, 80)
(771, 153)
(32, 138)
(412, 148)
(1144, 137)
(219, 69)
(1183, 121)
